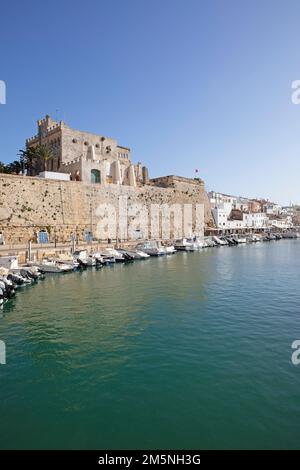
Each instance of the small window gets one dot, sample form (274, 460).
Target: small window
(88, 236)
(74, 141)
(43, 236)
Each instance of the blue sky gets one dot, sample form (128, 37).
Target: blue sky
(185, 83)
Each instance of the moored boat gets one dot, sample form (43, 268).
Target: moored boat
(170, 250)
(52, 266)
(184, 245)
(151, 247)
(219, 241)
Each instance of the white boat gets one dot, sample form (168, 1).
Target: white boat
(152, 248)
(224, 240)
(209, 241)
(204, 243)
(196, 243)
(119, 257)
(134, 253)
(30, 271)
(142, 254)
(218, 241)
(84, 258)
(9, 262)
(64, 258)
(170, 250)
(98, 258)
(184, 245)
(200, 243)
(104, 257)
(52, 266)
(254, 238)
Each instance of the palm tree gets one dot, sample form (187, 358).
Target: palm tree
(32, 156)
(44, 153)
(27, 158)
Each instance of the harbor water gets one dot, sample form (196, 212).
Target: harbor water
(187, 351)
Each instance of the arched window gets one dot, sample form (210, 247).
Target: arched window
(95, 176)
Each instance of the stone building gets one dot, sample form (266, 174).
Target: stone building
(86, 157)
(101, 177)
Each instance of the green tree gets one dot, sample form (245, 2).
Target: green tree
(44, 153)
(14, 167)
(28, 158)
(2, 168)
(32, 158)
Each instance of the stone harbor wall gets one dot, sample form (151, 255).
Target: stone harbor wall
(69, 208)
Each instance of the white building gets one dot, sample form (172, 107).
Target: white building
(242, 204)
(232, 213)
(282, 223)
(271, 208)
(255, 220)
(216, 199)
(222, 206)
(220, 216)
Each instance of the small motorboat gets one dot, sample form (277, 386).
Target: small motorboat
(141, 254)
(70, 260)
(170, 250)
(83, 259)
(51, 266)
(151, 247)
(119, 257)
(184, 245)
(254, 239)
(239, 240)
(196, 242)
(210, 242)
(106, 258)
(231, 241)
(134, 254)
(219, 241)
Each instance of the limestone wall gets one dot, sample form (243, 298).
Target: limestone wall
(65, 207)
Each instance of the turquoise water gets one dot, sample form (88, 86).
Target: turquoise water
(189, 351)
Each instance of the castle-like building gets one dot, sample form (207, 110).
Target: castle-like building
(84, 156)
(101, 172)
